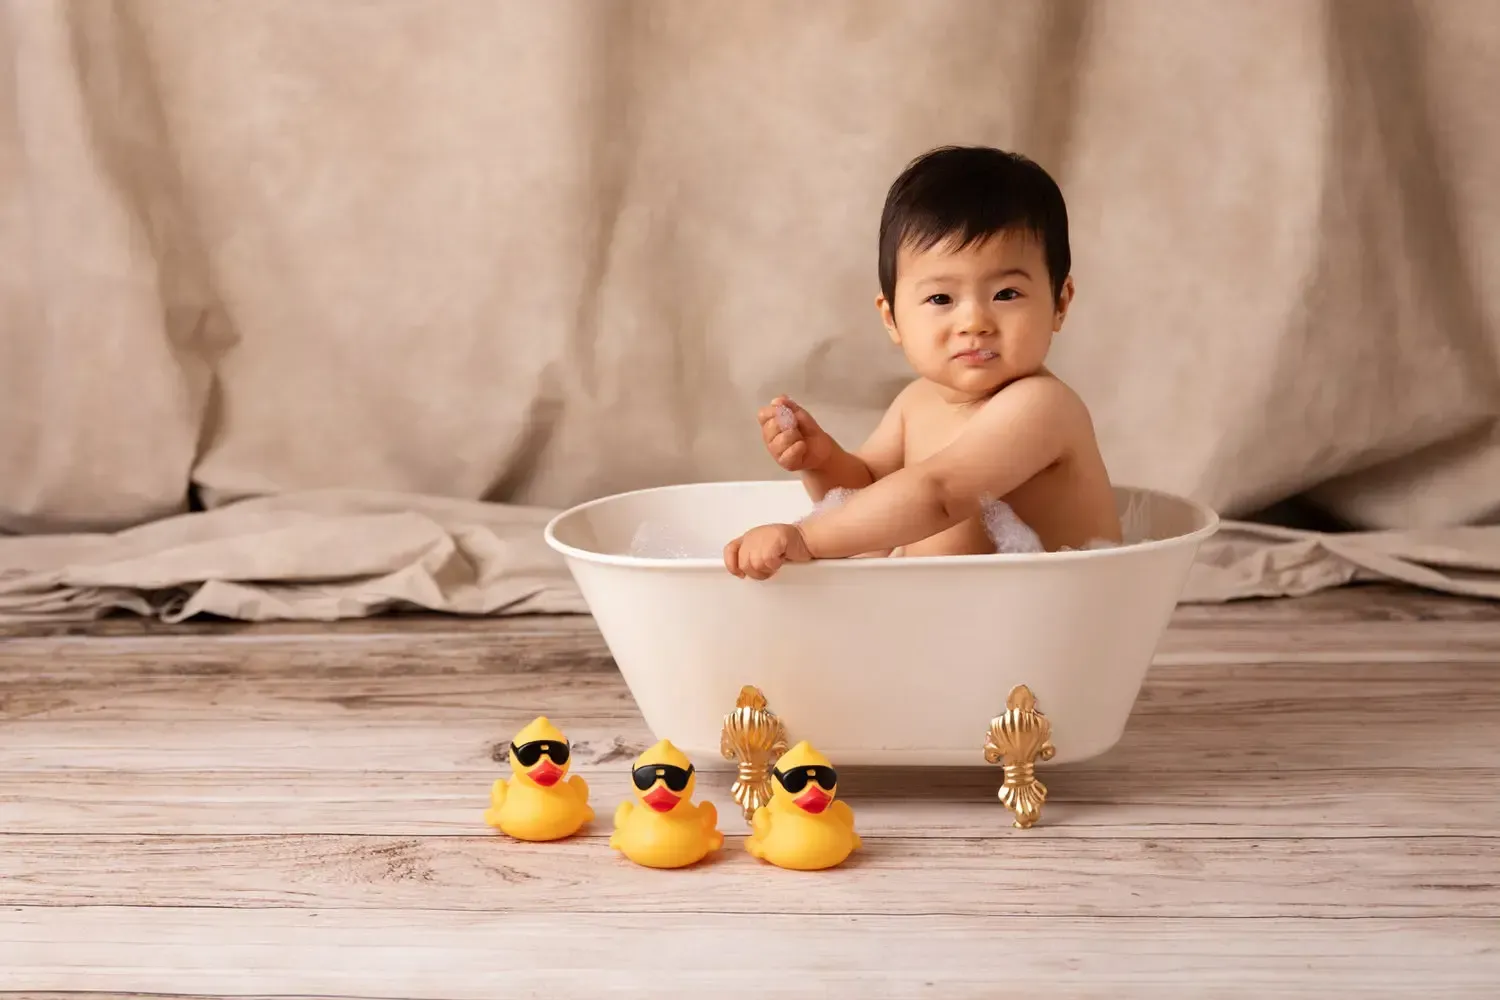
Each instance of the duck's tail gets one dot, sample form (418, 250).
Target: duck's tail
(497, 802)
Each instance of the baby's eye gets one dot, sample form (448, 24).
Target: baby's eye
(939, 298)
(1006, 294)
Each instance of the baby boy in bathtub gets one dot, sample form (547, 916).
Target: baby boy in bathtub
(975, 280)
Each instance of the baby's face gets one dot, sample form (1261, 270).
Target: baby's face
(972, 320)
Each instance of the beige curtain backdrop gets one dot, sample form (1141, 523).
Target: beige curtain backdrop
(389, 281)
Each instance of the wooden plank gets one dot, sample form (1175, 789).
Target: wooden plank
(315, 744)
(722, 950)
(1350, 623)
(224, 655)
(1452, 683)
(1027, 876)
(244, 697)
(936, 803)
(506, 649)
(1222, 728)
(1371, 602)
(1368, 642)
(1371, 642)
(254, 714)
(391, 625)
(1362, 603)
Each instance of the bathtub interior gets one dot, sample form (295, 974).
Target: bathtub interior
(694, 521)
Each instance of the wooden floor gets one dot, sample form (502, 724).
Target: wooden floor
(1306, 803)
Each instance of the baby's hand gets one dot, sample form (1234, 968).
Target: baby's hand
(793, 437)
(760, 552)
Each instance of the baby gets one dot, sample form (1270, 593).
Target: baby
(975, 280)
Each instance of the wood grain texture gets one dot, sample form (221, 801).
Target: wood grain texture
(1304, 804)
(932, 804)
(129, 688)
(1259, 803)
(1363, 604)
(456, 955)
(1248, 724)
(447, 955)
(1022, 877)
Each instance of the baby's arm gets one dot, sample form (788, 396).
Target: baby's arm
(878, 457)
(1022, 431)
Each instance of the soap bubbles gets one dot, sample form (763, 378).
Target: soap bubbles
(663, 541)
(836, 497)
(1007, 530)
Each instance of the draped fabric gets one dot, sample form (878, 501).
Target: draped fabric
(518, 255)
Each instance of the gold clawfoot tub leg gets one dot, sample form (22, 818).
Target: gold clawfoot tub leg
(1018, 739)
(754, 737)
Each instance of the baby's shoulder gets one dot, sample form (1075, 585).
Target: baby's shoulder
(1041, 400)
(917, 396)
(909, 402)
(912, 392)
(1042, 390)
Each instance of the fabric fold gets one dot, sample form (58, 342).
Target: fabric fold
(327, 555)
(321, 555)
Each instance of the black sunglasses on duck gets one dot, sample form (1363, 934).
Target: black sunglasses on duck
(673, 776)
(529, 753)
(796, 779)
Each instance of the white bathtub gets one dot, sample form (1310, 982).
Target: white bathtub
(898, 661)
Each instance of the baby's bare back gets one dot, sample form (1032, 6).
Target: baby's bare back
(1070, 504)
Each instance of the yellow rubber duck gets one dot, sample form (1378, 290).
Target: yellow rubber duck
(665, 829)
(541, 802)
(802, 827)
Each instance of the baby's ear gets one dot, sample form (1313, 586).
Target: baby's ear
(1064, 300)
(888, 319)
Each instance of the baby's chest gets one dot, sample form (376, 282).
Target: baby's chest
(929, 434)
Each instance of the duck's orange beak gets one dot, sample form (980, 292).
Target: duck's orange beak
(660, 799)
(814, 800)
(545, 774)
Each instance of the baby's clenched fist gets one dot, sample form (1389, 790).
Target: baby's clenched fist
(760, 552)
(793, 437)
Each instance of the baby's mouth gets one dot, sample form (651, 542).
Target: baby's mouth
(978, 354)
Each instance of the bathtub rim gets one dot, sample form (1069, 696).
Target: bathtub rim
(1210, 517)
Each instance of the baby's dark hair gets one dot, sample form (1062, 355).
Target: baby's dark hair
(971, 193)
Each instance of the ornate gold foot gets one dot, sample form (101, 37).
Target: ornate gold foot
(1018, 739)
(755, 737)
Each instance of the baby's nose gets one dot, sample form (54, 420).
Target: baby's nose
(976, 320)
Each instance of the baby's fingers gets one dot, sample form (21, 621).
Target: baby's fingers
(784, 412)
(732, 558)
(776, 408)
(767, 565)
(793, 456)
(771, 430)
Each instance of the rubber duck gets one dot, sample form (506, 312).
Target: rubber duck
(664, 829)
(541, 801)
(803, 827)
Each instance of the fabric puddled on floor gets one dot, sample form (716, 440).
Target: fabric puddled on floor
(342, 554)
